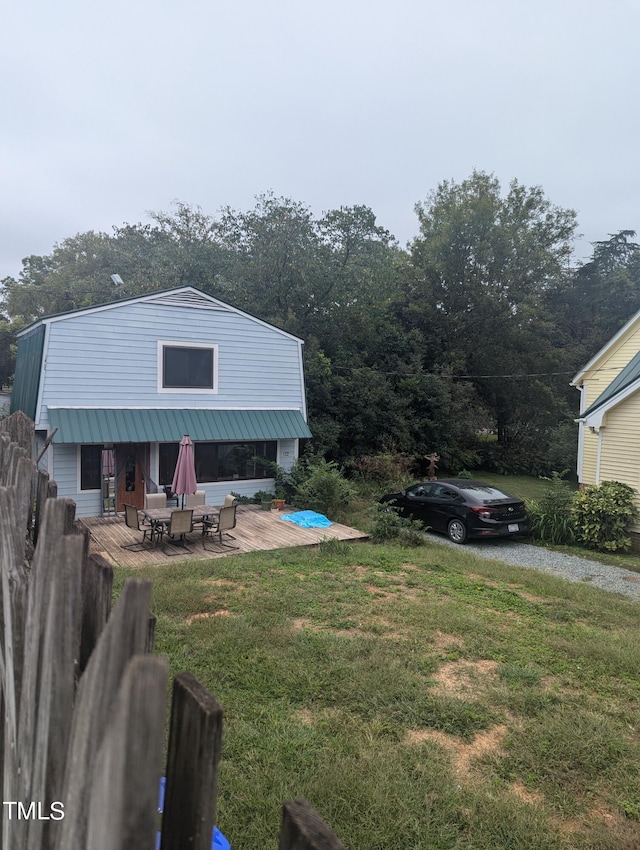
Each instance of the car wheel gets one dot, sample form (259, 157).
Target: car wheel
(457, 531)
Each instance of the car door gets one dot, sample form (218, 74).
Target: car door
(444, 505)
(418, 502)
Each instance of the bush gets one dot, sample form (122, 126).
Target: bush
(552, 516)
(244, 500)
(384, 469)
(262, 496)
(324, 489)
(389, 525)
(603, 514)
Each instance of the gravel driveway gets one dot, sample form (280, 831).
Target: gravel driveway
(570, 567)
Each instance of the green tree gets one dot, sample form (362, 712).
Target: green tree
(482, 264)
(179, 248)
(602, 294)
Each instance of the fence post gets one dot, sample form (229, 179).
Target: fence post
(195, 736)
(302, 828)
(123, 636)
(123, 804)
(97, 589)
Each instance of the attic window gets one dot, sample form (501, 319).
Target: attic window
(187, 367)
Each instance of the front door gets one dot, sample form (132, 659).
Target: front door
(132, 460)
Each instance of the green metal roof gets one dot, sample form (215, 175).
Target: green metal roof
(627, 376)
(115, 425)
(26, 381)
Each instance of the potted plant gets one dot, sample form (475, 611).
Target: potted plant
(264, 499)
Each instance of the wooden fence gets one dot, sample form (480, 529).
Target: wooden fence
(84, 700)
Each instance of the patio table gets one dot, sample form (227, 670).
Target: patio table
(162, 516)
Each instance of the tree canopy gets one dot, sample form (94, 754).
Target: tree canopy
(463, 343)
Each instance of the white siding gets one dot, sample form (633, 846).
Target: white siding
(287, 453)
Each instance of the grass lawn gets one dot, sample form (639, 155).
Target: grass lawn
(421, 699)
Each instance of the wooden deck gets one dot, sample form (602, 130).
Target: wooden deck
(256, 530)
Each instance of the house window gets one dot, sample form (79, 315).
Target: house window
(221, 461)
(90, 467)
(167, 459)
(186, 367)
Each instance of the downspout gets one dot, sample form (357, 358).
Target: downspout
(599, 455)
(580, 459)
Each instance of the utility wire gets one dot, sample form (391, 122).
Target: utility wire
(468, 377)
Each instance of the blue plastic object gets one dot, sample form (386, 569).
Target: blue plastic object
(218, 841)
(307, 519)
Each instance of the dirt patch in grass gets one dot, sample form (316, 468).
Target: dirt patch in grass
(465, 678)
(379, 592)
(207, 615)
(301, 623)
(488, 742)
(514, 588)
(613, 829)
(224, 582)
(443, 642)
(400, 591)
(532, 797)
(304, 716)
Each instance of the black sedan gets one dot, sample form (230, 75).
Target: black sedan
(462, 508)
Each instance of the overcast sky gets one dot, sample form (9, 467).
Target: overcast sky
(108, 111)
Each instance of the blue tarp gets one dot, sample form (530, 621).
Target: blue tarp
(307, 519)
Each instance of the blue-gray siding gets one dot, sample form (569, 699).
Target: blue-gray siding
(109, 359)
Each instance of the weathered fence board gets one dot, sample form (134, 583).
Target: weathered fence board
(123, 636)
(124, 792)
(44, 489)
(195, 738)
(97, 590)
(56, 667)
(302, 828)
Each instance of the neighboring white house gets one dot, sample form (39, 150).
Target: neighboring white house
(123, 382)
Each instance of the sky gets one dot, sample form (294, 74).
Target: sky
(111, 110)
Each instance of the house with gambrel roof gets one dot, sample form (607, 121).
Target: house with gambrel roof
(114, 388)
(609, 421)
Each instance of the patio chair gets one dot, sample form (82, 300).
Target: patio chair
(132, 520)
(155, 500)
(180, 524)
(217, 526)
(230, 499)
(191, 500)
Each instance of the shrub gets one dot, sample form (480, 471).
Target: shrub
(552, 516)
(262, 496)
(384, 469)
(603, 514)
(389, 525)
(245, 500)
(324, 489)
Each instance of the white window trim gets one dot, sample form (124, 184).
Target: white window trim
(182, 344)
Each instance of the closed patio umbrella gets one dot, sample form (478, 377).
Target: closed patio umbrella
(184, 477)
